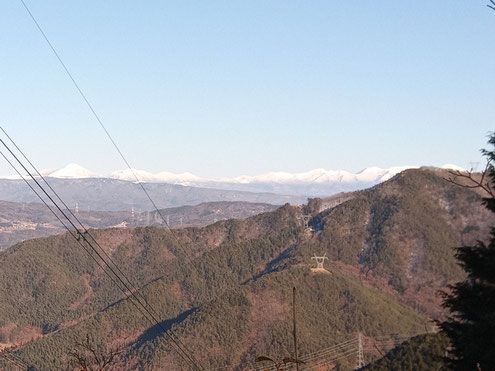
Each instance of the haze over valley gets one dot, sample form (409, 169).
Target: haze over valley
(251, 185)
(390, 249)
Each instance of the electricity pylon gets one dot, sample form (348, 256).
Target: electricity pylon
(360, 354)
(320, 260)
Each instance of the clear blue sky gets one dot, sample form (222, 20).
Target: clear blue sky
(223, 88)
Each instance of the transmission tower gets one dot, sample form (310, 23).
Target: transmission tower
(360, 354)
(320, 260)
(77, 208)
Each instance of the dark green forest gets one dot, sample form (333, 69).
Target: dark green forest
(225, 289)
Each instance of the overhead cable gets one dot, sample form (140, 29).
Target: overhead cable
(81, 237)
(85, 230)
(100, 122)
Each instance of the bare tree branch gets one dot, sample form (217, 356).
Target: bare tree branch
(91, 357)
(456, 177)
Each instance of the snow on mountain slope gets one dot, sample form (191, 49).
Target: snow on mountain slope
(369, 174)
(453, 167)
(162, 177)
(73, 171)
(313, 183)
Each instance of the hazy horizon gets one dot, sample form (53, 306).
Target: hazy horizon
(225, 89)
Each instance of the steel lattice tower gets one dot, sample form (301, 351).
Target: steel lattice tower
(360, 354)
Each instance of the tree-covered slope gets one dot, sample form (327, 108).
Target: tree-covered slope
(22, 221)
(403, 233)
(420, 353)
(226, 288)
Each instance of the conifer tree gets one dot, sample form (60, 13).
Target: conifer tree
(471, 324)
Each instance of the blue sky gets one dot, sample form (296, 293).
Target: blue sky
(224, 88)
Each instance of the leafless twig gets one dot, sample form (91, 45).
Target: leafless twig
(89, 357)
(472, 182)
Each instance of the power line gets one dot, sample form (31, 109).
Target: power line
(108, 135)
(85, 230)
(333, 360)
(10, 357)
(360, 353)
(100, 122)
(78, 237)
(316, 360)
(335, 349)
(328, 354)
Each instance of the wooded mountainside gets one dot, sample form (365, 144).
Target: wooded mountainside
(22, 221)
(227, 294)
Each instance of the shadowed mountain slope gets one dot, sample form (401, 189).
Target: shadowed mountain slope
(390, 250)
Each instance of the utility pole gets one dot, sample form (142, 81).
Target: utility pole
(360, 355)
(294, 320)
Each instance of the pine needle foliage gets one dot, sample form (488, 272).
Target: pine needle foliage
(471, 325)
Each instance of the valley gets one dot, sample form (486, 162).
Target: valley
(225, 289)
(21, 221)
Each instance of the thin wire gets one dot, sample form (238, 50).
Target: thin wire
(330, 353)
(86, 231)
(68, 229)
(37, 194)
(80, 223)
(326, 355)
(101, 266)
(311, 367)
(346, 355)
(82, 235)
(108, 135)
(331, 357)
(334, 347)
(10, 357)
(107, 132)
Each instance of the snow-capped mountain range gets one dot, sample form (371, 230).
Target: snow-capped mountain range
(316, 182)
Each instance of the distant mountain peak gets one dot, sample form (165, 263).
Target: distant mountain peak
(316, 182)
(453, 167)
(320, 176)
(161, 177)
(73, 171)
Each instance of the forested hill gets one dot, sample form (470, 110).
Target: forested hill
(100, 194)
(21, 221)
(225, 289)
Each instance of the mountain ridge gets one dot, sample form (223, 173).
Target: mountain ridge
(317, 182)
(390, 249)
(21, 221)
